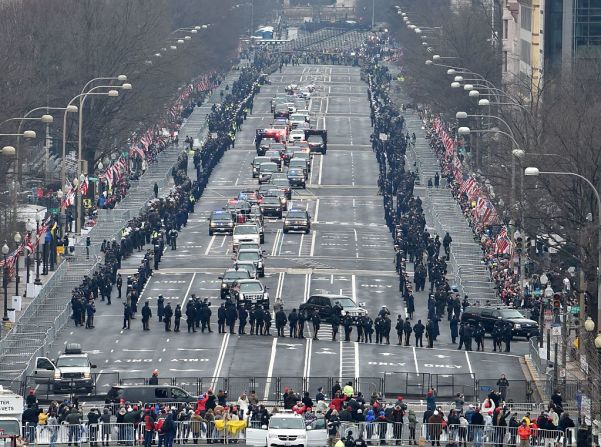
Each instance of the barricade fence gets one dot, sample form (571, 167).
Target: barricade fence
(441, 434)
(201, 432)
(409, 385)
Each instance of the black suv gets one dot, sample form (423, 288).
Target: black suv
(264, 145)
(229, 277)
(272, 206)
(324, 304)
(297, 220)
(488, 316)
(221, 221)
(296, 177)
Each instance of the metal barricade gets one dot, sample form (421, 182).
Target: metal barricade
(441, 433)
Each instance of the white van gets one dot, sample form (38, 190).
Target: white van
(288, 430)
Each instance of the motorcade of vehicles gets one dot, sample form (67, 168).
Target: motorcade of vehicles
(324, 303)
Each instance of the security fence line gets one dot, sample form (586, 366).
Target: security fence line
(192, 432)
(201, 432)
(473, 435)
(49, 312)
(407, 384)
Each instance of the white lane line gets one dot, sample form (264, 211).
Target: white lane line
(275, 242)
(312, 170)
(223, 241)
(270, 369)
(313, 237)
(188, 290)
(315, 216)
(354, 287)
(210, 245)
(307, 363)
(356, 359)
(415, 360)
(469, 364)
(355, 231)
(307, 287)
(332, 278)
(280, 286)
(300, 246)
(219, 364)
(320, 169)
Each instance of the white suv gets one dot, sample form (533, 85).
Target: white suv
(289, 430)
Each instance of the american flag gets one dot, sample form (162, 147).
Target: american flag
(502, 245)
(83, 188)
(467, 185)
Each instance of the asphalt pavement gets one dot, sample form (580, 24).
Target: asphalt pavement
(349, 251)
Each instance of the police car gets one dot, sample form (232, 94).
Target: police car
(221, 221)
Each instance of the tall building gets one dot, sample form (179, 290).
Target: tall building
(550, 37)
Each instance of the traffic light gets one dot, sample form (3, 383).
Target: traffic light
(557, 301)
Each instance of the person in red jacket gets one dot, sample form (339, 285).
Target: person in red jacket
(524, 434)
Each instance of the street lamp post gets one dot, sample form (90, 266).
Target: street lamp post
(5, 283)
(17, 240)
(37, 281)
(82, 99)
(533, 171)
(29, 226)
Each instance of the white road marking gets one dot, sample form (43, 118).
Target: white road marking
(317, 211)
(307, 365)
(219, 364)
(274, 249)
(188, 290)
(223, 241)
(270, 369)
(307, 287)
(320, 170)
(469, 364)
(354, 287)
(300, 246)
(313, 237)
(210, 245)
(138, 350)
(355, 231)
(415, 360)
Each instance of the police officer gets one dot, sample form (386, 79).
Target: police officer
(386, 327)
(266, 321)
(177, 317)
(161, 308)
(292, 322)
(407, 329)
(167, 317)
(173, 239)
(418, 330)
(230, 316)
(252, 319)
(368, 328)
(190, 316)
(302, 317)
(335, 319)
(400, 324)
(280, 322)
(146, 314)
(479, 337)
(378, 328)
(315, 321)
(468, 332)
(454, 326)
(126, 315)
(260, 317)
(507, 336)
(348, 327)
(242, 320)
(221, 318)
(119, 284)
